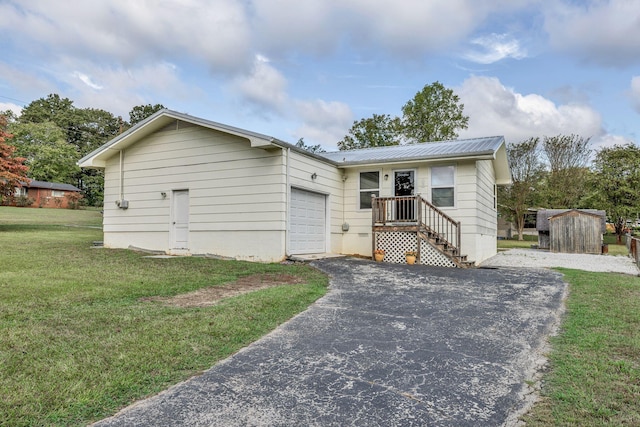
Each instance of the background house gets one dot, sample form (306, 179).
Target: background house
(571, 230)
(42, 194)
(182, 184)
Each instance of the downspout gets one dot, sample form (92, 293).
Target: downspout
(121, 176)
(287, 203)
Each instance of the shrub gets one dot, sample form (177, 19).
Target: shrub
(74, 200)
(24, 201)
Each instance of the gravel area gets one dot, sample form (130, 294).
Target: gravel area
(536, 258)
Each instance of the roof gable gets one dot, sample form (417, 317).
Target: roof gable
(162, 120)
(544, 215)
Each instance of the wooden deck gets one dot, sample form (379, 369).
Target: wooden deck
(406, 223)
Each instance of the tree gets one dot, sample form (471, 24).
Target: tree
(49, 156)
(567, 158)
(434, 114)
(141, 112)
(50, 109)
(615, 183)
(84, 128)
(514, 200)
(12, 169)
(380, 130)
(312, 148)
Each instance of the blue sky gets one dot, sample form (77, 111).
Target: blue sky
(307, 69)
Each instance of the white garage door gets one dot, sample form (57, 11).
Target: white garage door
(307, 222)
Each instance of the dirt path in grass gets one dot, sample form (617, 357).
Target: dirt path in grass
(211, 295)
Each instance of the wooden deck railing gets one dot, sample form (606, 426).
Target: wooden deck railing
(414, 211)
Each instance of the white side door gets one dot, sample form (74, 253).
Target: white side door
(180, 220)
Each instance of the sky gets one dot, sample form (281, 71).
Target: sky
(308, 69)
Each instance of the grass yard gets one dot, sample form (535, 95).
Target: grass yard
(81, 334)
(594, 376)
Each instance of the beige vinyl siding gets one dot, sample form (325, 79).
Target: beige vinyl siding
(487, 214)
(358, 239)
(232, 188)
(473, 223)
(327, 182)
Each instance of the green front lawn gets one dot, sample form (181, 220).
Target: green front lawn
(594, 376)
(78, 340)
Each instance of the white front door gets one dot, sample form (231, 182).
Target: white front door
(180, 220)
(307, 222)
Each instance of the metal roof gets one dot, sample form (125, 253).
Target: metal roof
(425, 151)
(478, 148)
(51, 185)
(543, 215)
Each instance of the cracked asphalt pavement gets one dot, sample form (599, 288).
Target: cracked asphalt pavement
(389, 345)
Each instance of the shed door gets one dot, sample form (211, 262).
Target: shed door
(180, 220)
(307, 222)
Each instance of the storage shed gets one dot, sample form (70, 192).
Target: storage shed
(571, 230)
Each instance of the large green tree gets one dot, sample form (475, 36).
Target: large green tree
(616, 184)
(567, 158)
(526, 169)
(311, 148)
(434, 114)
(141, 112)
(377, 131)
(49, 156)
(12, 168)
(85, 129)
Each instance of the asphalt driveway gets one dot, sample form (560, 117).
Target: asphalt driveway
(389, 345)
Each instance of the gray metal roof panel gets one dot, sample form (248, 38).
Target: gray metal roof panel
(543, 215)
(424, 151)
(52, 185)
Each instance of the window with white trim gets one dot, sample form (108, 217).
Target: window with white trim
(369, 185)
(443, 186)
(57, 193)
(20, 191)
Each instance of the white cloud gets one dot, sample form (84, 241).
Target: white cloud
(608, 140)
(495, 47)
(265, 86)
(215, 32)
(126, 87)
(325, 123)
(635, 92)
(600, 31)
(86, 80)
(399, 28)
(4, 106)
(494, 109)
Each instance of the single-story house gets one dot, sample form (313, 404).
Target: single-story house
(185, 185)
(571, 230)
(43, 194)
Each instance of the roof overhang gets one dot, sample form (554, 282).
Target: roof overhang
(501, 165)
(163, 118)
(497, 155)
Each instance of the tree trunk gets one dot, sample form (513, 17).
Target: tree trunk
(520, 226)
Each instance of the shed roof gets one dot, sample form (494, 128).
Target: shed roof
(542, 218)
(51, 185)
